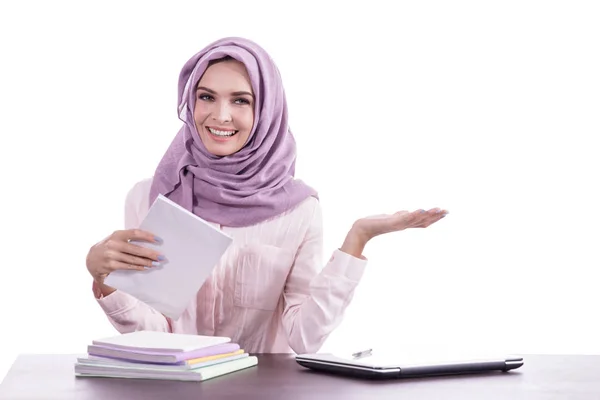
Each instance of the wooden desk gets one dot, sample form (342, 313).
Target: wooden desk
(35, 377)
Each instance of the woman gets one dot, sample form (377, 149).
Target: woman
(232, 164)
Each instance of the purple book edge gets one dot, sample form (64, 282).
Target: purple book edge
(179, 356)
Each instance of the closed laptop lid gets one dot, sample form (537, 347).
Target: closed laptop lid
(410, 362)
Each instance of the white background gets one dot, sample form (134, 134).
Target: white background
(488, 109)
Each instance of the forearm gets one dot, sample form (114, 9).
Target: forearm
(311, 318)
(103, 290)
(355, 243)
(315, 297)
(128, 314)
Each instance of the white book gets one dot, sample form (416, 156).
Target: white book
(199, 374)
(192, 247)
(164, 342)
(102, 361)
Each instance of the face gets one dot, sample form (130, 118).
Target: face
(224, 110)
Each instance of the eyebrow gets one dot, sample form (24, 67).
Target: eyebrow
(233, 94)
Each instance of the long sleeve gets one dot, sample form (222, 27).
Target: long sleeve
(128, 314)
(125, 312)
(315, 301)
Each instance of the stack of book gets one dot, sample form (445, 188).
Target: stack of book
(161, 355)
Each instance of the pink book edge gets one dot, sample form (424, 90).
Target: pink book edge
(179, 356)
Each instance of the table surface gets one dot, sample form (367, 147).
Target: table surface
(278, 376)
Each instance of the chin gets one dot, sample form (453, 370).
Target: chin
(221, 149)
(221, 152)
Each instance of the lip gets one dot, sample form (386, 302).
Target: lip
(220, 128)
(219, 138)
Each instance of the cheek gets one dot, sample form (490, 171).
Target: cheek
(247, 119)
(200, 114)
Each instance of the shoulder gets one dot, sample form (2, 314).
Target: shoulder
(306, 209)
(307, 215)
(292, 227)
(137, 203)
(139, 193)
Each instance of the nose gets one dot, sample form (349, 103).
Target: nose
(221, 112)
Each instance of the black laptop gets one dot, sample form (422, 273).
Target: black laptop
(370, 365)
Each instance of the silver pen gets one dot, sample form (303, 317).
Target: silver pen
(362, 354)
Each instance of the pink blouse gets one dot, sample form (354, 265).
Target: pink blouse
(269, 292)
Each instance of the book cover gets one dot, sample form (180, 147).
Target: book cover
(192, 248)
(198, 374)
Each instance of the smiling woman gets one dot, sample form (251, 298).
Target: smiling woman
(233, 164)
(224, 111)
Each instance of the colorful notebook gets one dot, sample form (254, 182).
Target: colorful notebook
(162, 358)
(143, 372)
(205, 362)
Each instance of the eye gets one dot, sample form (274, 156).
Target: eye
(241, 101)
(205, 97)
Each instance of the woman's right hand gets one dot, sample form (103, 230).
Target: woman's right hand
(116, 252)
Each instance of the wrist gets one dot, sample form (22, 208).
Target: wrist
(102, 290)
(355, 242)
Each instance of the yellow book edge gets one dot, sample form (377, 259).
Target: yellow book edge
(215, 357)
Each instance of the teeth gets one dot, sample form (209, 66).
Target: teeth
(221, 133)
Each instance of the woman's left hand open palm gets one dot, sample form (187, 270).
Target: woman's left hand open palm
(386, 223)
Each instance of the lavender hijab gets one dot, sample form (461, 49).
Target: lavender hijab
(256, 183)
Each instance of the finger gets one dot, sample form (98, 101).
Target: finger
(422, 218)
(134, 250)
(131, 259)
(437, 211)
(114, 265)
(425, 224)
(136, 234)
(415, 218)
(432, 216)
